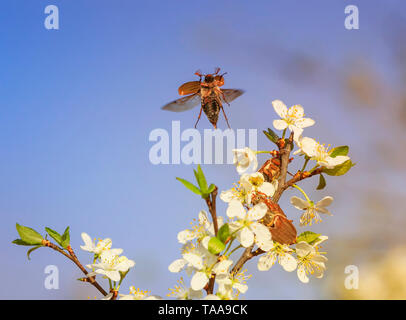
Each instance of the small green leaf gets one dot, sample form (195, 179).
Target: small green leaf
(340, 169)
(211, 188)
(54, 235)
(339, 151)
(201, 179)
(66, 238)
(31, 250)
(216, 246)
(28, 235)
(190, 186)
(308, 236)
(322, 182)
(271, 135)
(20, 242)
(224, 232)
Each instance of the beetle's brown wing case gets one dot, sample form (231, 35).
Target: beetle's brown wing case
(189, 88)
(283, 230)
(231, 94)
(183, 104)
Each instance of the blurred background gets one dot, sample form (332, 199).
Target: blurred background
(77, 106)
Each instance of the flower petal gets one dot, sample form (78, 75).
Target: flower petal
(257, 211)
(195, 260)
(280, 108)
(177, 265)
(245, 237)
(185, 236)
(299, 203)
(87, 240)
(198, 281)
(301, 274)
(222, 266)
(235, 209)
(326, 201)
(303, 248)
(266, 262)
(304, 123)
(267, 188)
(227, 195)
(288, 262)
(241, 287)
(296, 111)
(280, 124)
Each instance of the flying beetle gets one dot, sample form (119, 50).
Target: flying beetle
(206, 92)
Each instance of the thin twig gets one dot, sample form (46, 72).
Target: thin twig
(71, 256)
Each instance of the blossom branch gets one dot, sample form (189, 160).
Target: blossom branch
(284, 151)
(72, 256)
(211, 204)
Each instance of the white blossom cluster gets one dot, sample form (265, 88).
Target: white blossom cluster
(111, 265)
(244, 216)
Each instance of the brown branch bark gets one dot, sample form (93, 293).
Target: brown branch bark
(211, 204)
(72, 256)
(284, 151)
(246, 255)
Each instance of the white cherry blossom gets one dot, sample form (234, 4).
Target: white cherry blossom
(102, 245)
(111, 265)
(292, 118)
(311, 210)
(321, 154)
(280, 252)
(310, 261)
(246, 227)
(245, 159)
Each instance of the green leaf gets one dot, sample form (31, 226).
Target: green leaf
(216, 246)
(271, 135)
(322, 182)
(211, 188)
(201, 179)
(308, 236)
(20, 242)
(28, 235)
(66, 238)
(224, 232)
(340, 169)
(190, 186)
(31, 250)
(54, 235)
(339, 151)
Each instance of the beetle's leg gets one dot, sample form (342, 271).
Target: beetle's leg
(225, 117)
(201, 108)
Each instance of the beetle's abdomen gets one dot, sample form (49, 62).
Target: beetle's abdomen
(211, 108)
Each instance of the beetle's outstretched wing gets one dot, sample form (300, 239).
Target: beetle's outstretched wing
(183, 104)
(231, 94)
(189, 88)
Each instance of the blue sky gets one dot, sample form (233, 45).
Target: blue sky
(77, 106)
